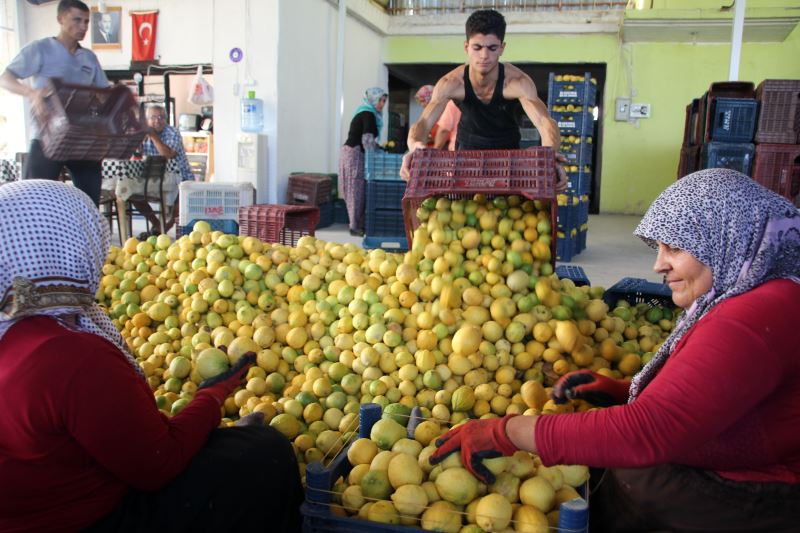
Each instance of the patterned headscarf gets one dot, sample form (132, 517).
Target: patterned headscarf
(372, 97)
(53, 243)
(424, 95)
(746, 234)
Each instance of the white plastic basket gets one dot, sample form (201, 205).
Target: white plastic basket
(213, 201)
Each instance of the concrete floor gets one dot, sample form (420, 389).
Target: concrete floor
(612, 251)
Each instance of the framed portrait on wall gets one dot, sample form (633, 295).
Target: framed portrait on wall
(106, 28)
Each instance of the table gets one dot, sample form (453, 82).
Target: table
(123, 177)
(10, 170)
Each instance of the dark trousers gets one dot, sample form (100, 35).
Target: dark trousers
(244, 479)
(672, 498)
(86, 175)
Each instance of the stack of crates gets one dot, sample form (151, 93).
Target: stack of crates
(719, 129)
(571, 99)
(722, 125)
(383, 209)
(777, 159)
(313, 189)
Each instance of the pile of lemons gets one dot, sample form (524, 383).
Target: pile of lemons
(471, 322)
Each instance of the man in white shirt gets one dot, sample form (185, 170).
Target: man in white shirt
(57, 57)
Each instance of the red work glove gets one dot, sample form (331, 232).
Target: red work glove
(226, 383)
(592, 387)
(477, 440)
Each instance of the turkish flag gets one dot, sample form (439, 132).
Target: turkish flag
(144, 35)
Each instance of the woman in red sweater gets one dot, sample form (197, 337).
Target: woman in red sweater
(705, 437)
(82, 444)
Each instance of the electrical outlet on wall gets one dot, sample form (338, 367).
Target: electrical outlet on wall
(640, 111)
(622, 109)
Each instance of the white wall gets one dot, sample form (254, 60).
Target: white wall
(184, 29)
(256, 33)
(307, 83)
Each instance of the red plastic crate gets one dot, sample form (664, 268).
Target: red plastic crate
(779, 116)
(90, 124)
(309, 189)
(529, 173)
(689, 161)
(777, 167)
(277, 222)
(689, 122)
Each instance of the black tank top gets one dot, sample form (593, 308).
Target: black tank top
(487, 126)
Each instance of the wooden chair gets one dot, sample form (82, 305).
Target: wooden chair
(108, 208)
(155, 167)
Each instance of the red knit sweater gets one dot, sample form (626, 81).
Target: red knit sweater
(78, 427)
(727, 400)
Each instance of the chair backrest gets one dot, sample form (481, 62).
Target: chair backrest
(155, 166)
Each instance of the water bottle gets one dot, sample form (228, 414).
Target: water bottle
(252, 113)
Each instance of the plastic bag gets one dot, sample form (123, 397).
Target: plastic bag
(201, 93)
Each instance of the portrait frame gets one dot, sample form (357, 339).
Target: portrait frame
(111, 22)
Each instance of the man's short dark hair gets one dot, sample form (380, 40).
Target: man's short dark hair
(486, 21)
(66, 5)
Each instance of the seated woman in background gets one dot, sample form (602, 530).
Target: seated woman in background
(82, 444)
(705, 437)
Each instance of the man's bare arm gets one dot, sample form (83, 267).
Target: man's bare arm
(442, 139)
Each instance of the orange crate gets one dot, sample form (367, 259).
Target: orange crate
(90, 124)
(278, 223)
(529, 173)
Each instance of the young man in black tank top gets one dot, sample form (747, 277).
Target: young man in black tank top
(485, 89)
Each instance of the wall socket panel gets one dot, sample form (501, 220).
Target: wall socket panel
(622, 109)
(640, 111)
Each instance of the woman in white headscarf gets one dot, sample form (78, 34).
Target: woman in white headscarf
(82, 443)
(364, 133)
(705, 437)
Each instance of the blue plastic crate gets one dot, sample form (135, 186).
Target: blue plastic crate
(736, 156)
(385, 195)
(325, 215)
(340, 215)
(567, 216)
(565, 248)
(382, 166)
(581, 245)
(580, 123)
(384, 222)
(582, 92)
(733, 120)
(579, 183)
(583, 212)
(318, 518)
(224, 225)
(573, 272)
(638, 290)
(578, 153)
(390, 243)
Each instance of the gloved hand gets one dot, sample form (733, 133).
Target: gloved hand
(592, 387)
(477, 440)
(233, 377)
